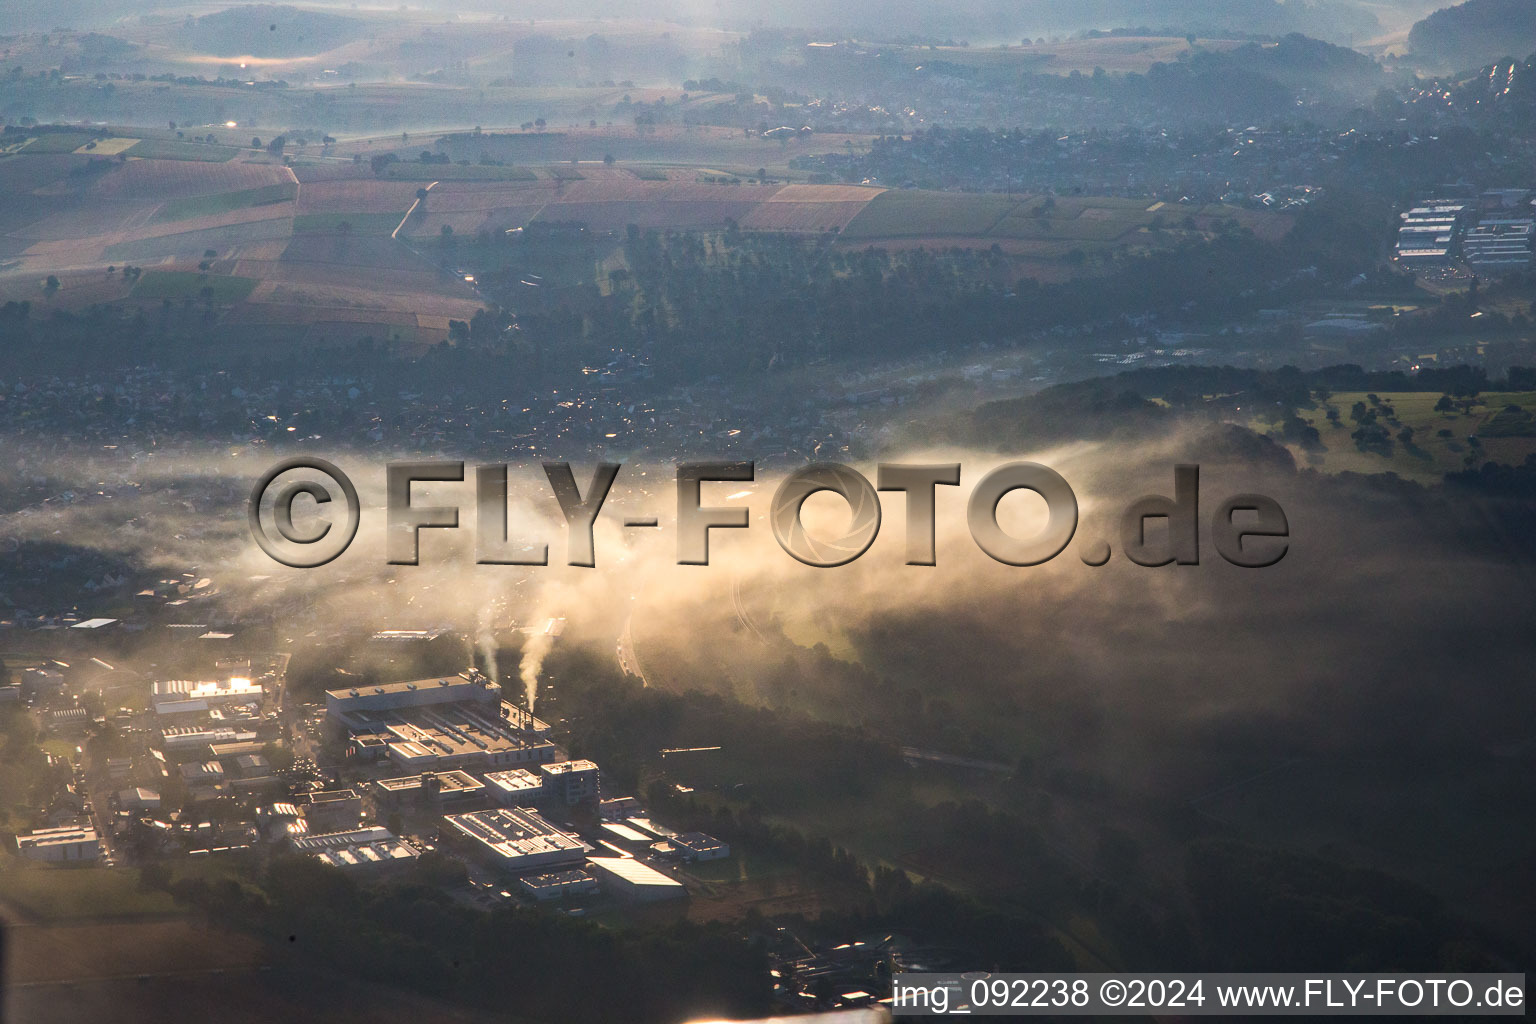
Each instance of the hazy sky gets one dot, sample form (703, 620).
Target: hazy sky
(981, 21)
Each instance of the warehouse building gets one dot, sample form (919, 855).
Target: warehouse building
(362, 850)
(557, 884)
(437, 725)
(514, 839)
(71, 844)
(184, 696)
(1499, 245)
(628, 878)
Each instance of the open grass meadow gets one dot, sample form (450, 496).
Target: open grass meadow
(43, 892)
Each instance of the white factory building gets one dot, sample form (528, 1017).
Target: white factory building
(513, 839)
(630, 879)
(186, 696)
(69, 844)
(362, 849)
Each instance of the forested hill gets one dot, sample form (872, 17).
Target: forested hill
(1475, 33)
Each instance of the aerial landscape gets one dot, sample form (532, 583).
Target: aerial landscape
(450, 567)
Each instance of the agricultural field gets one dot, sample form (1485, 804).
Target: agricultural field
(312, 252)
(343, 221)
(224, 202)
(109, 147)
(1043, 229)
(1118, 54)
(58, 142)
(658, 147)
(178, 285)
(453, 172)
(176, 149)
(365, 195)
(810, 208)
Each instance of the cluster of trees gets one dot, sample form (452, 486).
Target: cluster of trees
(781, 760)
(1109, 406)
(26, 781)
(414, 935)
(742, 304)
(1469, 35)
(887, 896)
(1266, 909)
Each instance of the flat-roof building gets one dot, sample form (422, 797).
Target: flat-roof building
(430, 789)
(362, 849)
(627, 877)
(333, 810)
(68, 844)
(185, 696)
(698, 846)
(515, 787)
(197, 740)
(571, 782)
(514, 839)
(556, 884)
(1499, 245)
(438, 725)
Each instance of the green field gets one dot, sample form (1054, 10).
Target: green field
(362, 223)
(175, 149)
(58, 142)
(189, 284)
(1054, 226)
(224, 202)
(904, 213)
(70, 893)
(407, 171)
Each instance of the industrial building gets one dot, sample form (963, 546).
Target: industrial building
(1499, 244)
(515, 787)
(333, 810)
(1428, 234)
(558, 884)
(183, 696)
(630, 879)
(430, 789)
(71, 844)
(698, 846)
(571, 782)
(196, 740)
(513, 839)
(437, 725)
(363, 849)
